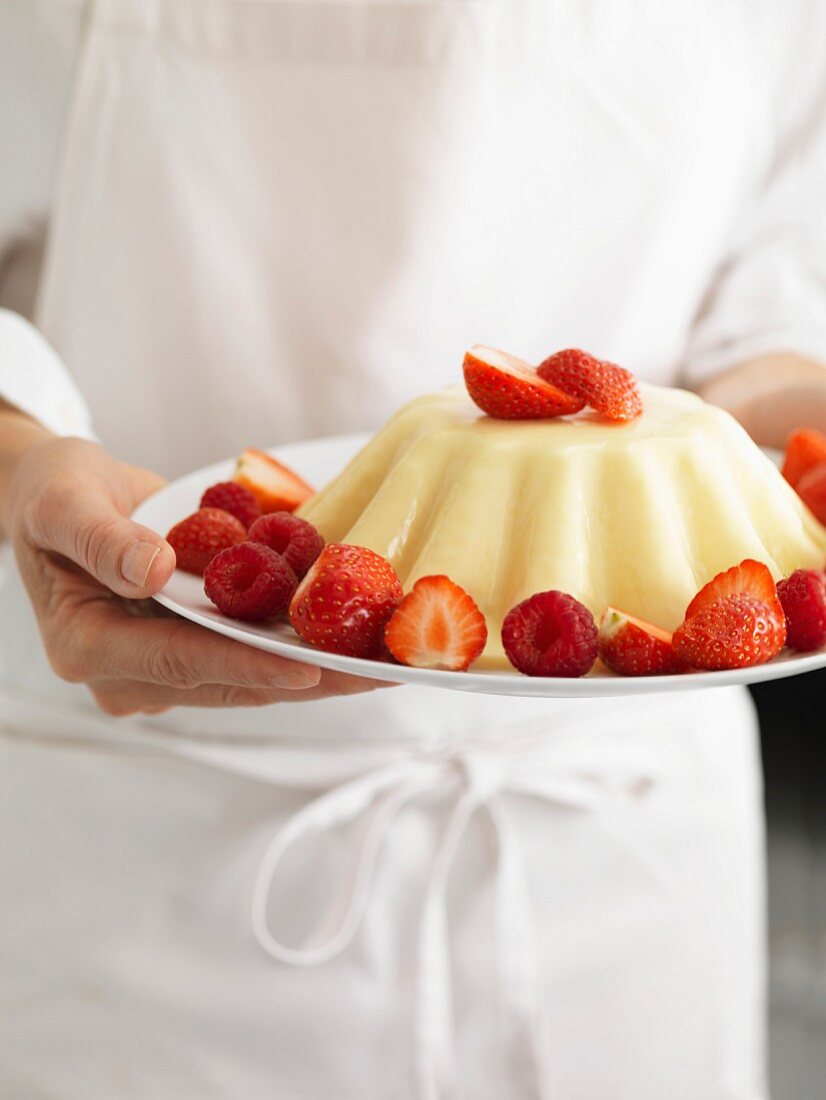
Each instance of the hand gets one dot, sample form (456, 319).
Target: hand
(772, 396)
(89, 571)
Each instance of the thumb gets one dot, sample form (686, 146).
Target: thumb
(87, 527)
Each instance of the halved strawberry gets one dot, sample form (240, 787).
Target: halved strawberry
(437, 625)
(749, 578)
(805, 449)
(633, 647)
(510, 389)
(275, 486)
(735, 632)
(344, 602)
(812, 491)
(607, 388)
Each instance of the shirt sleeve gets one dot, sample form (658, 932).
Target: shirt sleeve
(33, 378)
(769, 295)
(39, 40)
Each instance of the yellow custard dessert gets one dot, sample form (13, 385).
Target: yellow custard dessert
(637, 516)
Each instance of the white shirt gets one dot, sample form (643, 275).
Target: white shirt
(276, 220)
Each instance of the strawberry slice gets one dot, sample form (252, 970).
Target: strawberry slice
(633, 647)
(749, 578)
(812, 491)
(275, 486)
(508, 388)
(344, 602)
(735, 632)
(437, 625)
(607, 388)
(805, 449)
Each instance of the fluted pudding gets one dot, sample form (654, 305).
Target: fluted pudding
(637, 516)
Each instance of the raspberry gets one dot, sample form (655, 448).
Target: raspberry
(295, 539)
(198, 538)
(551, 634)
(803, 596)
(233, 498)
(250, 581)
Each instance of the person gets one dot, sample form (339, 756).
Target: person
(268, 221)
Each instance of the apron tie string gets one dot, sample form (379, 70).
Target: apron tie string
(481, 776)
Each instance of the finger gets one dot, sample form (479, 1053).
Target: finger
(121, 698)
(84, 526)
(104, 641)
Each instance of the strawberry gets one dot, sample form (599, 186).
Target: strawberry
(812, 491)
(509, 389)
(749, 578)
(294, 538)
(437, 625)
(607, 388)
(735, 632)
(550, 634)
(198, 538)
(250, 581)
(632, 647)
(275, 486)
(233, 498)
(345, 601)
(805, 449)
(803, 597)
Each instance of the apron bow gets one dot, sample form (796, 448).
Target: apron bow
(479, 776)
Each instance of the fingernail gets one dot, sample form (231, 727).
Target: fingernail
(137, 561)
(299, 679)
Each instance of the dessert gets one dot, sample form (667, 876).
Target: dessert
(635, 515)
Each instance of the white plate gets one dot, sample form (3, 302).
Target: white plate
(318, 461)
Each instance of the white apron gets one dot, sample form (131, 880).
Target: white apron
(281, 219)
